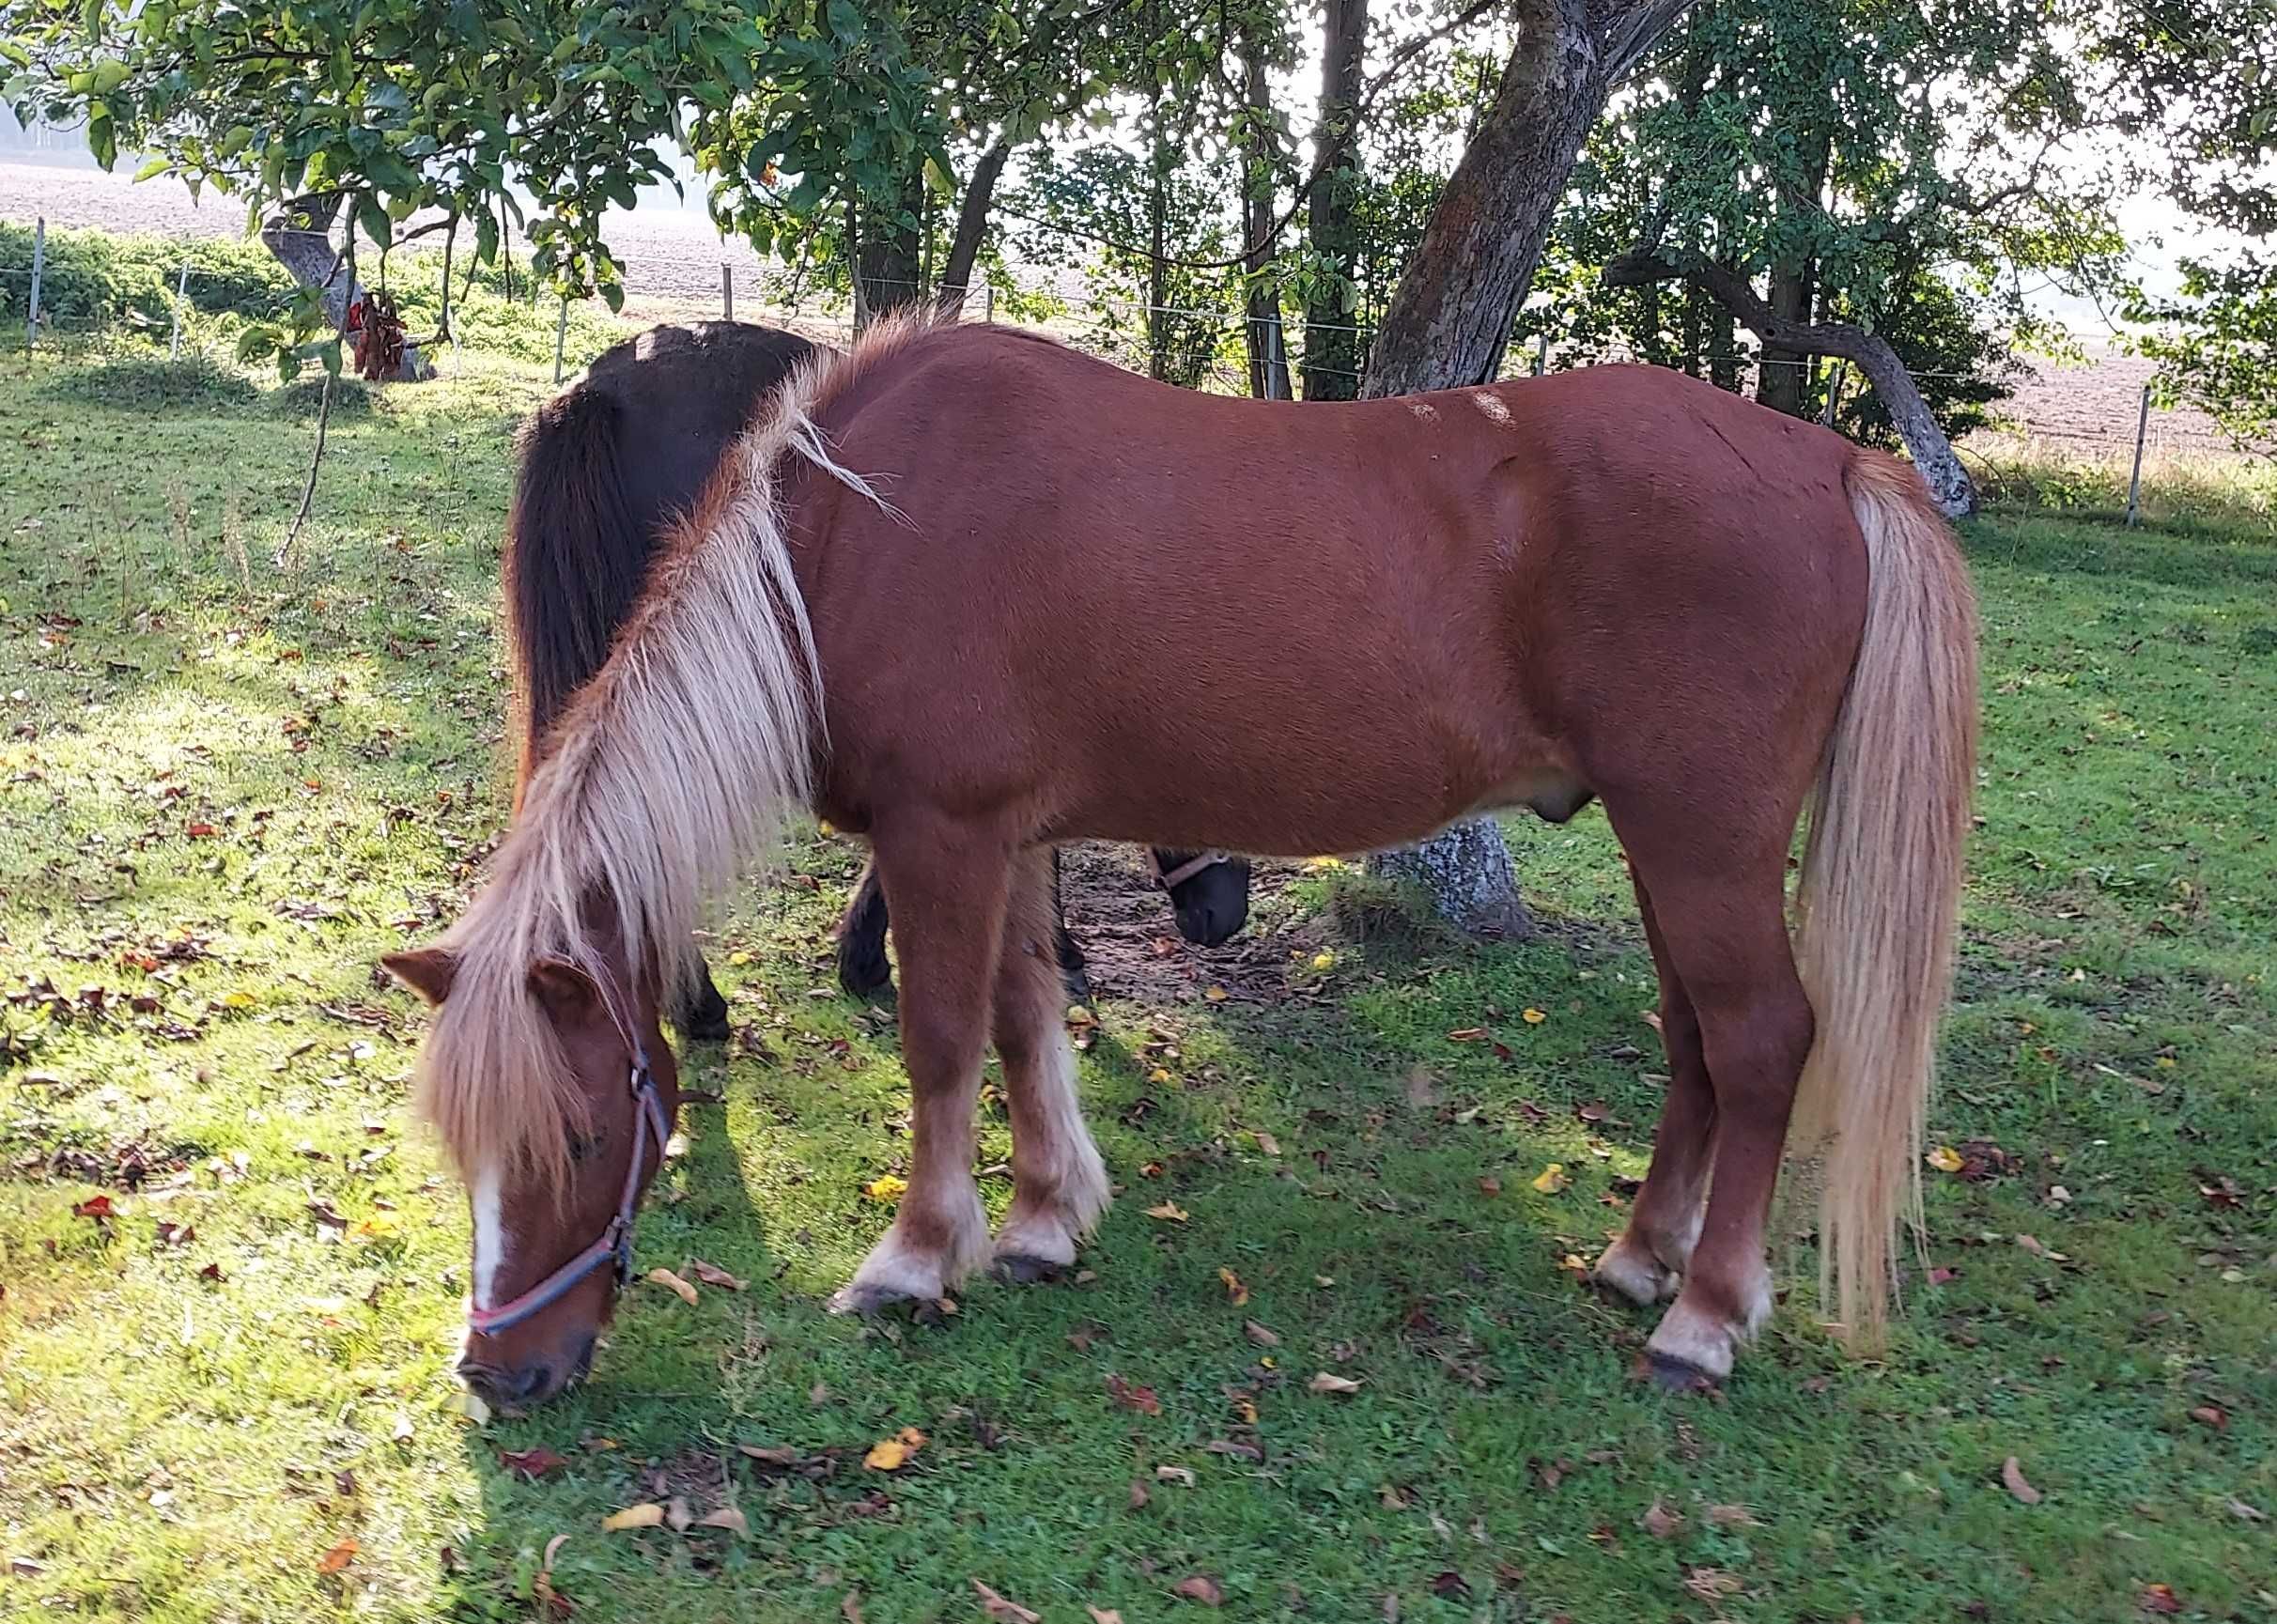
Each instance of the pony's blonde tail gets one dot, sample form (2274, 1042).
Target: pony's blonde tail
(1880, 886)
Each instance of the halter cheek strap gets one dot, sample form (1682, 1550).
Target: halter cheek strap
(1170, 879)
(614, 1244)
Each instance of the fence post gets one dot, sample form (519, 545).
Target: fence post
(31, 322)
(1542, 354)
(181, 295)
(727, 291)
(987, 301)
(561, 337)
(1834, 394)
(2134, 480)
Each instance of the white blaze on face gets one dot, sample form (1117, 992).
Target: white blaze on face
(489, 1236)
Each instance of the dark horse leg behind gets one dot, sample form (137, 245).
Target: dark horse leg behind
(605, 469)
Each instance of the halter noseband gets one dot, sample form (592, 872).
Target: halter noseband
(614, 1244)
(1170, 879)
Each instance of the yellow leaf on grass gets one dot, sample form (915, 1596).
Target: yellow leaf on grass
(1235, 1288)
(237, 1001)
(892, 1454)
(738, 957)
(647, 1516)
(1945, 1159)
(665, 1277)
(1160, 1075)
(1532, 1018)
(1552, 1179)
(1170, 1212)
(886, 1187)
(1215, 993)
(1324, 960)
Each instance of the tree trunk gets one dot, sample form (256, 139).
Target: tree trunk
(1781, 379)
(1268, 356)
(1932, 453)
(887, 257)
(1157, 268)
(1450, 317)
(971, 228)
(1332, 339)
(300, 236)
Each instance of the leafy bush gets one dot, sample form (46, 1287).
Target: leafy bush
(96, 278)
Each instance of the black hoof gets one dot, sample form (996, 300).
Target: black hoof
(1675, 1375)
(864, 974)
(1019, 1269)
(704, 1020)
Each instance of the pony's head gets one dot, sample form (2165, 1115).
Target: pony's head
(1209, 893)
(553, 1089)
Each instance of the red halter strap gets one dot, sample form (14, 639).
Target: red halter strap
(614, 1244)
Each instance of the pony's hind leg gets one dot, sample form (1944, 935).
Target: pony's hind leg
(1648, 1262)
(1722, 920)
(949, 883)
(1059, 1183)
(862, 968)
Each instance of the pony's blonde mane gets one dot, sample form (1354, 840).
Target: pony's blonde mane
(670, 773)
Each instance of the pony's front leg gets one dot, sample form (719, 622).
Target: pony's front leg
(949, 883)
(1059, 1183)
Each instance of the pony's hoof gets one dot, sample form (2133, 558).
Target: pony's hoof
(868, 1302)
(864, 975)
(1674, 1375)
(1021, 1269)
(1634, 1274)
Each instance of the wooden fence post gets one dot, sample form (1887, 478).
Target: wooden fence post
(181, 296)
(727, 291)
(2134, 480)
(561, 337)
(1834, 394)
(31, 322)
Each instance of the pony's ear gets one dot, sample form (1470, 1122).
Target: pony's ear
(428, 971)
(566, 991)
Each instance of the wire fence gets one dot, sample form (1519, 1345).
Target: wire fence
(1200, 345)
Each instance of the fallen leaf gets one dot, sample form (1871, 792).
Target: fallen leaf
(1103, 1615)
(1552, 1179)
(686, 1292)
(1139, 1496)
(2159, 1599)
(1140, 1400)
(1266, 1142)
(726, 1516)
(1731, 1517)
(1215, 993)
(1323, 960)
(2212, 1415)
(1327, 1382)
(1003, 1609)
(1944, 1158)
(1712, 1584)
(2246, 1513)
(770, 1454)
(712, 1274)
(1466, 1034)
(551, 1602)
(94, 1206)
(531, 1465)
(886, 1187)
(1659, 1520)
(339, 1557)
(892, 1454)
(1200, 1587)
(1532, 1018)
(401, 1431)
(849, 1607)
(1175, 1475)
(1170, 1212)
(1264, 1336)
(1235, 1288)
(650, 1515)
(2012, 1478)
(1489, 1185)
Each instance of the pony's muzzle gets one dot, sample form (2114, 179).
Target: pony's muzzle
(532, 1382)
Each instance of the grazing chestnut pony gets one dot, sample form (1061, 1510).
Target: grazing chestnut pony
(606, 468)
(941, 592)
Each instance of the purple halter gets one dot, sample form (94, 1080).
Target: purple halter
(614, 1244)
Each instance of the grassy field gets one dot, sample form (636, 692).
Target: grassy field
(232, 1263)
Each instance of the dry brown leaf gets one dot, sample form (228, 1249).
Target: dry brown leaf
(1139, 1493)
(1266, 1142)
(1731, 1517)
(770, 1454)
(551, 1604)
(648, 1515)
(339, 1557)
(666, 1277)
(1326, 1383)
(1002, 1609)
(1659, 1520)
(1174, 1475)
(1200, 1587)
(1141, 1399)
(2012, 1478)
(849, 1607)
(1712, 1584)
(1103, 1615)
(2212, 1415)
(1170, 1212)
(726, 1516)
(677, 1514)
(1264, 1336)
(2159, 1599)
(712, 1274)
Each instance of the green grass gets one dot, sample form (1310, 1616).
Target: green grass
(225, 790)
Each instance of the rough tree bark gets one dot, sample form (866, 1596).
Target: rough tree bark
(1793, 280)
(1332, 338)
(299, 235)
(887, 258)
(1451, 314)
(1932, 453)
(1268, 353)
(971, 228)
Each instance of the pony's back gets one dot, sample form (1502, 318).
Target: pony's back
(605, 468)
